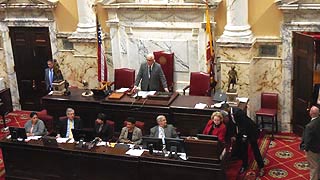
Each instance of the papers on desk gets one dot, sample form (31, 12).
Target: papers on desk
(65, 140)
(135, 152)
(243, 99)
(102, 143)
(200, 106)
(144, 94)
(218, 105)
(122, 90)
(33, 138)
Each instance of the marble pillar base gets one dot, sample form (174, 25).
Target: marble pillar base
(83, 37)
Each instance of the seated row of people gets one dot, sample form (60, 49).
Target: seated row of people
(129, 134)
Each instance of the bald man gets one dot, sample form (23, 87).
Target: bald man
(311, 143)
(150, 74)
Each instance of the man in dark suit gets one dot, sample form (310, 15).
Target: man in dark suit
(49, 75)
(70, 122)
(163, 130)
(52, 73)
(311, 143)
(243, 131)
(150, 74)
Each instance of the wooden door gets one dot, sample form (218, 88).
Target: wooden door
(31, 50)
(303, 68)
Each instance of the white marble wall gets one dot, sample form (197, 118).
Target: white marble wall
(22, 15)
(136, 32)
(296, 18)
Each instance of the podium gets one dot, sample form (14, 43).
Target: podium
(232, 95)
(59, 88)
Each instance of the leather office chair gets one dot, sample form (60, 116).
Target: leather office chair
(269, 108)
(199, 84)
(166, 60)
(139, 124)
(123, 78)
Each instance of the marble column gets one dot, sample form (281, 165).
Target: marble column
(237, 29)
(87, 20)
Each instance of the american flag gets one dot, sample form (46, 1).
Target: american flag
(102, 64)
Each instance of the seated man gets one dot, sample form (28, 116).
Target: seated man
(163, 130)
(65, 125)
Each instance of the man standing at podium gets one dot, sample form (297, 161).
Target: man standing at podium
(150, 74)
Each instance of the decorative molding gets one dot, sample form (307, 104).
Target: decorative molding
(152, 4)
(34, 4)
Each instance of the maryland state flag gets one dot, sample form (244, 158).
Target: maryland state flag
(210, 51)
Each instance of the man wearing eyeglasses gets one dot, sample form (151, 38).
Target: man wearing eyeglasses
(150, 74)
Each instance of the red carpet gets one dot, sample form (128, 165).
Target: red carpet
(234, 166)
(284, 160)
(16, 119)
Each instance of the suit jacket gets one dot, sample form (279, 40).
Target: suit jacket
(311, 136)
(136, 135)
(245, 125)
(63, 124)
(169, 131)
(156, 77)
(47, 80)
(106, 132)
(219, 131)
(39, 128)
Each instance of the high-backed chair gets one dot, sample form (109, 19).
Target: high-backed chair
(199, 84)
(269, 108)
(139, 124)
(123, 78)
(166, 60)
(47, 120)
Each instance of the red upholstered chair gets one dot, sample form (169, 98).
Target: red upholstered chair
(123, 78)
(47, 120)
(139, 124)
(199, 84)
(111, 124)
(269, 108)
(166, 60)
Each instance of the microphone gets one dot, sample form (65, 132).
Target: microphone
(137, 96)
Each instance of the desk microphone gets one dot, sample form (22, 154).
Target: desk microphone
(137, 96)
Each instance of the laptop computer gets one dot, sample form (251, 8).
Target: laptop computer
(17, 133)
(219, 97)
(49, 141)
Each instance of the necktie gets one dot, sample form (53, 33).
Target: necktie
(70, 127)
(50, 76)
(100, 128)
(161, 133)
(149, 72)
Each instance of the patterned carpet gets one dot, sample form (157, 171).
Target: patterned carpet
(283, 159)
(16, 119)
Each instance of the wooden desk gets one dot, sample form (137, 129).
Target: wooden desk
(179, 110)
(34, 161)
(191, 121)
